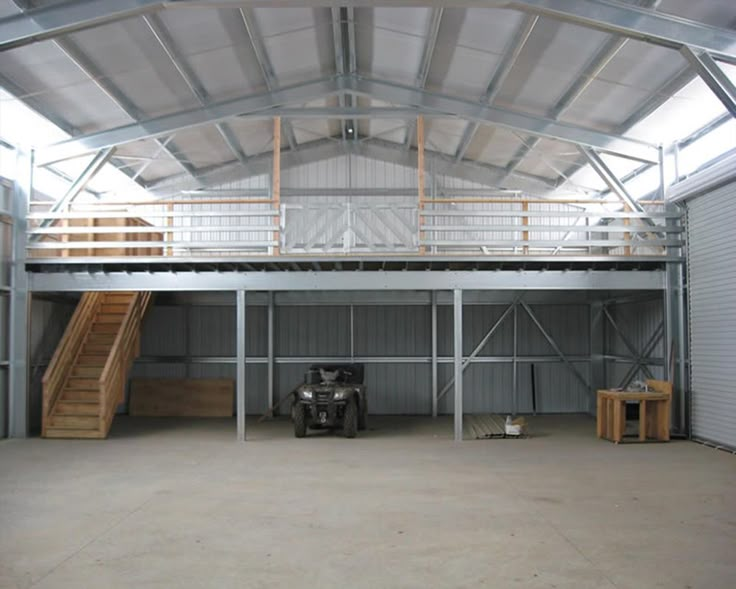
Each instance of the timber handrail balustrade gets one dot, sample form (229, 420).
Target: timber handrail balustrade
(124, 349)
(439, 226)
(65, 356)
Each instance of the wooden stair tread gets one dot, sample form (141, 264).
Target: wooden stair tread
(57, 421)
(53, 432)
(79, 395)
(77, 408)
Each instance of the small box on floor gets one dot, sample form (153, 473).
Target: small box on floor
(515, 427)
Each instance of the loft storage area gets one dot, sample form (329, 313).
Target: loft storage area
(367, 282)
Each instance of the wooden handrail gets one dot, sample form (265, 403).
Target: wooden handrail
(122, 353)
(68, 349)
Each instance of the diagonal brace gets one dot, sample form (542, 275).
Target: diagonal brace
(555, 347)
(479, 347)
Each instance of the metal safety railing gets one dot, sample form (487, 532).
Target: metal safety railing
(236, 227)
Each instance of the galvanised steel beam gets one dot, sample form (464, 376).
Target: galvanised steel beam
(255, 165)
(100, 159)
(596, 65)
(713, 76)
(605, 15)
(116, 95)
(339, 50)
(157, 27)
(323, 149)
(444, 164)
(517, 44)
(613, 183)
(210, 114)
(626, 20)
(537, 126)
(347, 280)
(555, 347)
(264, 63)
(425, 64)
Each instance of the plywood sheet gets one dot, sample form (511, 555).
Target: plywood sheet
(168, 397)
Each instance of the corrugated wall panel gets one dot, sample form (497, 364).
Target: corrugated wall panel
(310, 331)
(712, 276)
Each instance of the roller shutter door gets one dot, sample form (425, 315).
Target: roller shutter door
(712, 299)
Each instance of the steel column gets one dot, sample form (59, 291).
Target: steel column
(240, 332)
(515, 364)
(271, 351)
(433, 312)
(457, 306)
(19, 301)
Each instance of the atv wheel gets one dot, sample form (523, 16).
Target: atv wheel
(363, 419)
(350, 420)
(300, 420)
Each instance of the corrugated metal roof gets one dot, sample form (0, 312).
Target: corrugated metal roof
(106, 76)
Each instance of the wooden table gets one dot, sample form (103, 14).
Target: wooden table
(654, 415)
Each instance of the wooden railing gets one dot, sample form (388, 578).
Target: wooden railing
(124, 350)
(66, 353)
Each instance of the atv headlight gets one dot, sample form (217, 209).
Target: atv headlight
(306, 395)
(339, 395)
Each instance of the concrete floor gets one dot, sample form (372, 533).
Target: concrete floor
(178, 503)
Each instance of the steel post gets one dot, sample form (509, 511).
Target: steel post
(271, 348)
(19, 301)
(433, 312)
(458, 351)
(240, 364)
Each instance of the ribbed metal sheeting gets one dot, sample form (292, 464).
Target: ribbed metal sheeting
(399, 331)
(5, 252)
(712, 283)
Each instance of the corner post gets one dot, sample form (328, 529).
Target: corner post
(19, 301)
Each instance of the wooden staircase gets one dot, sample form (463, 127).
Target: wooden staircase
(85, 380)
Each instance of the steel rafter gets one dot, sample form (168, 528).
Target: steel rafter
(265, 103)
(425, 64)
(532, 125)
(264, 63)
(713, 76)
(213, 113)
(191, 79)
(517, 44)
(606, 15)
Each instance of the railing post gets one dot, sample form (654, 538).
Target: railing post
(420, 179)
